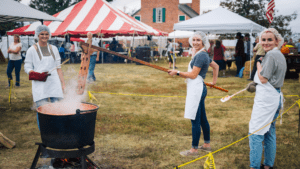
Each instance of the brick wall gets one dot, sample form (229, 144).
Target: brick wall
(172, 12)
(196, 6)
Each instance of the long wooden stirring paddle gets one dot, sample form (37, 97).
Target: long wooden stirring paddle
(140, 61)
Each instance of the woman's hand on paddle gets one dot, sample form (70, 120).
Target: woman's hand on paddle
(172, 72)
(212, 83)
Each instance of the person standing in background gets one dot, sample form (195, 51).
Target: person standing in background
(170, 54)
(93, 59)
(259, 52)
(247, 49)
(15, 60)
(211, 49)
(72, 50)
(239, 53)
(62, 52)
(291, 42)
(219, 57)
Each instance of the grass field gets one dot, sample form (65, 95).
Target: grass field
(141, 132)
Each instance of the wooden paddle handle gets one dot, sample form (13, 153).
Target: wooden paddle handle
(216, 87)
(140, 61)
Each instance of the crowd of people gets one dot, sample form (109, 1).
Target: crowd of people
(268, 78)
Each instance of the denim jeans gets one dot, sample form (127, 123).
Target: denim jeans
(239, 64)
(43, 102)
(200, 122)
(256, 148)
(91, 75)
(10, 67)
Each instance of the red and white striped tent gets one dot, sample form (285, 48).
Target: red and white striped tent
(96, 16)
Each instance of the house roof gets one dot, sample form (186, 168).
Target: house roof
(135, 12)
(187, 10)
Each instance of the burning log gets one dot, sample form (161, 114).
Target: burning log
(6, 142)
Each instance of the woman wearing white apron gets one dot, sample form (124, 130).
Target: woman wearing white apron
(196, 91)
(268, 100)
(40, 59)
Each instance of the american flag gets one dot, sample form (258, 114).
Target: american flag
(270, 11)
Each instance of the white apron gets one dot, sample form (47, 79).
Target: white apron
(266, 103)
(52, 86)
(194, 93)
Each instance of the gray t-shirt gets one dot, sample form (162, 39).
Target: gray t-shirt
(201, 60)
(274, 68)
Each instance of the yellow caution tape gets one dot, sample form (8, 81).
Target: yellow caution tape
(10, 89)
(91, 96)
(210, 162)
(298, 103)
(207, 155)
(211, 97)
(136, 94)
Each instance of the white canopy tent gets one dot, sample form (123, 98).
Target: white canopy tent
(14, 11)
(220, 21)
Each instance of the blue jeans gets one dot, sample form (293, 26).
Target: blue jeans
(239, 64)
(256, 148)
(91, 75)
(200, 122)
(10, 67)
(43, 102)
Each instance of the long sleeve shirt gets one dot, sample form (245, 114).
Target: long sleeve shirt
(239, 48)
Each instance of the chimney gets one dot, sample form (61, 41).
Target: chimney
(196, 6)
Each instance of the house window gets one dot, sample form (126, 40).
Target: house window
(159, 15)
(181, 18)
(137, 17)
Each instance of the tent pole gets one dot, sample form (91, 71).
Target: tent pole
(160, 51)
(101, 44)
(250, 51)
(7, 45)
(28, 42)
(131, 53)
(174, 52)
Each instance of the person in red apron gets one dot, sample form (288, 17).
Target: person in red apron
(268, 100)
(196, 91)
(40, 59)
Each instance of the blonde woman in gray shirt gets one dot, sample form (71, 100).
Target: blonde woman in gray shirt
(268, 100)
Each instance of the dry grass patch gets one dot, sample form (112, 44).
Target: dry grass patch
(135, 131)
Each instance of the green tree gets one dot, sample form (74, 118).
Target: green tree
(50, 6)
(255, 10)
